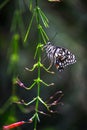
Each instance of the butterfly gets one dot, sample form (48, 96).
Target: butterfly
(59, 56)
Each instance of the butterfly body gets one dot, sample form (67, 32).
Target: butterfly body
(60, 57)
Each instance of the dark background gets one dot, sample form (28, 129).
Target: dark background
(68, 20)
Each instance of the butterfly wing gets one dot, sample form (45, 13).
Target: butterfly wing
(63, 58)
(60, 57)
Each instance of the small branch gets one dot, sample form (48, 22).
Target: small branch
(46, 83)
(47, 69)
(33, 68)
(43, 103)
(26, 104)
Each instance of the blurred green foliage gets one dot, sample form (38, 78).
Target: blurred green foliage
(69, 20)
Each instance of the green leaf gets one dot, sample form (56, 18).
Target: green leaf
(43, 34)
(43, 17)
(28, 30)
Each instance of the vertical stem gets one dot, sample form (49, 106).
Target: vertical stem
(39, 60)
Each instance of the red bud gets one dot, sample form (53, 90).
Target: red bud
(8, 127)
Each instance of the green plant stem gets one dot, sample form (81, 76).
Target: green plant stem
(38, 89)
(39, 67)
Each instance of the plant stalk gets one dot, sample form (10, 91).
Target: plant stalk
(39, 67)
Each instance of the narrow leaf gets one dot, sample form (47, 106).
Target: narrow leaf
(28, 30)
